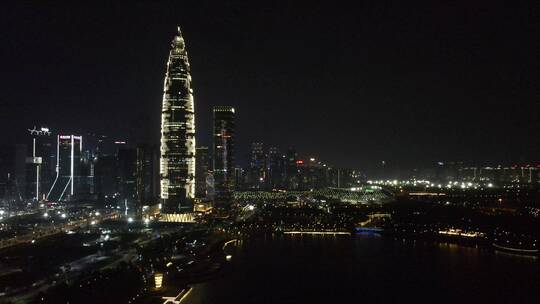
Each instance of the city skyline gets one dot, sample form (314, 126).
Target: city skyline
(407, 92)
(316, 152)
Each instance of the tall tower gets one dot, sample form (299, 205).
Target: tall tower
(38, 171)
(223, 153)
(68, 164)
(177, 158)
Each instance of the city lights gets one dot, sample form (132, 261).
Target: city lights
(459, 232)
(338, 153)
(158, 280)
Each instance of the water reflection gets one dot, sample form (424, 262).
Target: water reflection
(335, 269)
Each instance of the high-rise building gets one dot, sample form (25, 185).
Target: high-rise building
(105, 176)
(311, 174)
(275, 168)
(257, 166)
(127, 176)
(147, 175)
(223, 153)
(240, 178)
(115, 172)
(87, 178)
(202, 163)
(20, 171)
(177, 161)
(291, 170)
(38, 173)
(7, 174)
(68, 162)
(210, 193)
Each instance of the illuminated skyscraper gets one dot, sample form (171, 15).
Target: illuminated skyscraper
(177, 161)
(223, 152)
(68, 163)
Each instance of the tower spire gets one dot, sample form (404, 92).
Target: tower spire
(178, 41)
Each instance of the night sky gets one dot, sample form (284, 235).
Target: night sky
(352, 85)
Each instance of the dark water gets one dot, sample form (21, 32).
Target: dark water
(326, 269)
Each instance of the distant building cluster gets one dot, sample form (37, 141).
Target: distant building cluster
(498, 174)
(272, 169)
(459, 172)
(268, 170)
(69, 168)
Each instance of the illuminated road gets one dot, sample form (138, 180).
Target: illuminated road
(41, 232)
(179, 298)
(318, 232)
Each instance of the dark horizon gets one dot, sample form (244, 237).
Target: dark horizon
(350, 85)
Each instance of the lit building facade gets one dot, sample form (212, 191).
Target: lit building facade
(177, 151)
(68, 163)
(38, 173)
(223, 153)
